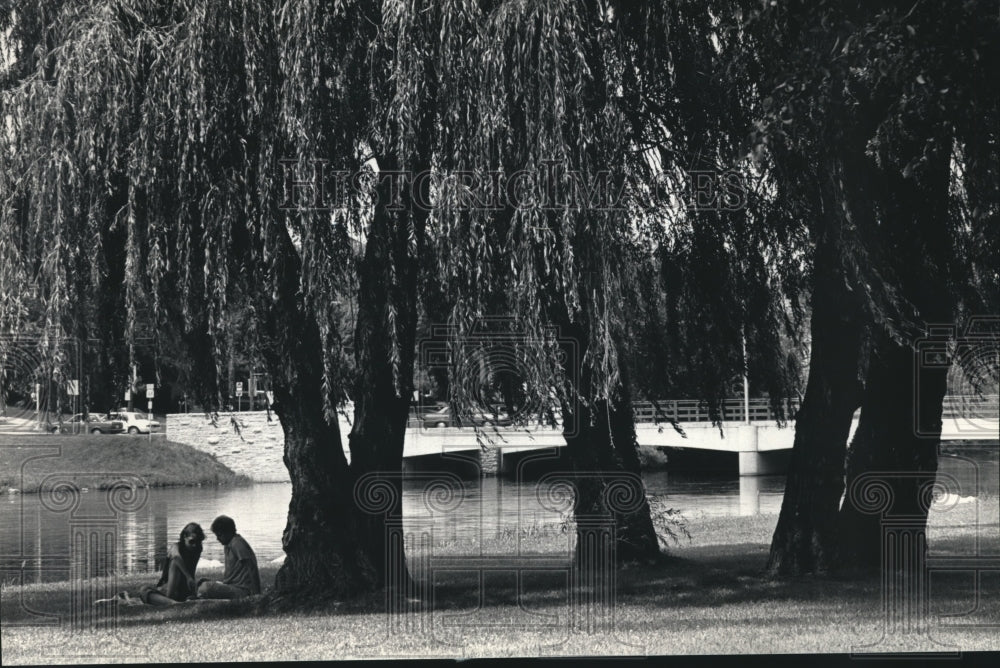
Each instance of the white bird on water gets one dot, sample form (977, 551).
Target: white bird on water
(949, 498)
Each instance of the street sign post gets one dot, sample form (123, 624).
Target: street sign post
(239, 396)
(73, 390)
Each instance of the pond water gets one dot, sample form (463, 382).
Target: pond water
(37, 531)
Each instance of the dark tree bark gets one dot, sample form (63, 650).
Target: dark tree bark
(896, 444)
(388, 279)
(637, 539)
(805, 537)
(112, 358)
(603, 452)
(326, 553)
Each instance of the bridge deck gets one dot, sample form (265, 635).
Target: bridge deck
(704, 436)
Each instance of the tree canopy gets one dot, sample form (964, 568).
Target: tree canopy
(543, 162)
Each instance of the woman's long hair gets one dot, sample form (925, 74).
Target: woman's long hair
(191, 555)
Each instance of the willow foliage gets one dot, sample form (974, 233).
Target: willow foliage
(168, 121)
(898, 87)
(539, 102)
(63, 154)
(633, 99)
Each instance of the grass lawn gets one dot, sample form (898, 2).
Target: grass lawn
(707, 597)
(92, 461)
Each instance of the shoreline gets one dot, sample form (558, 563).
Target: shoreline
(952, 530)
(40, 463)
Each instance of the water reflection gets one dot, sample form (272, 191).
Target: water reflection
(749, 496)
(37, 541)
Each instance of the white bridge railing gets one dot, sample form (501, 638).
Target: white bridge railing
(762, 410)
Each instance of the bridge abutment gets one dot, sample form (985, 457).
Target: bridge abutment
(491, 462)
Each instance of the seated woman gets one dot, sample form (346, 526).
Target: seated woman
(177, 583)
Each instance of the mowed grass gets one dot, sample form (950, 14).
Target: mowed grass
(96, 461)
(708, 596)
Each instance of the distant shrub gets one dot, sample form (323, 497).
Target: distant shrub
(652, 457)
(670, 523)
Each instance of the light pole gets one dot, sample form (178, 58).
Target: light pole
(746, 379)
(131, 391)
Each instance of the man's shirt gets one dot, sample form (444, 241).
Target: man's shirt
(241, 565)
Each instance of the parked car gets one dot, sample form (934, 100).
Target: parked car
(136, 423)
(53, 427)
(96, 424)
(442, 417)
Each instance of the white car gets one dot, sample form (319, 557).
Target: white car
(136, 423)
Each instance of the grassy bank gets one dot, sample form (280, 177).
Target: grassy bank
(708, 597)
(94, 461)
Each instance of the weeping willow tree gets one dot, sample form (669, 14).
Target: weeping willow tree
(389, 119)
(867, 125)
(543, 244)
(859, 124)
(59, 286)
(167, 125)
(727, 295)
(933, 93)
(597, 104)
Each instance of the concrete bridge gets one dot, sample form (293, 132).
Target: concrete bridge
(759, 446)
(762, 445)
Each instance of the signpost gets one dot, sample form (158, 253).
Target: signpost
(73, 390)
(150, 393)
(239, 396)
(38, 403)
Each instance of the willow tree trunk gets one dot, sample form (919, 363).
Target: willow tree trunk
(603, 452)
(326, 552)
(804, 539)
(327, 555)
(113, 374)
(384, 346)
(637, 540)
(895, 448)
(892, 462)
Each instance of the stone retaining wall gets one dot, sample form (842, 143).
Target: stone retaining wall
(255, 451)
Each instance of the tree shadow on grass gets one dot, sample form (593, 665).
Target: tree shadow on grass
(705, 577)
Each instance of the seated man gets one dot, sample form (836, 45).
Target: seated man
(241, 577)
(177, 582)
